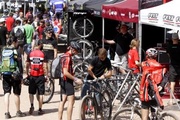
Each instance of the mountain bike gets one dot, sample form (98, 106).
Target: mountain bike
(96, 102)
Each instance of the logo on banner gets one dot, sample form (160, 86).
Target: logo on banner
(168, 19)
(177, 21)
(153, 17)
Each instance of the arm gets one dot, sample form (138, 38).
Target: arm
(109, 41)
(55, 53)
(68, 75)
(91, 72)
(108, 74)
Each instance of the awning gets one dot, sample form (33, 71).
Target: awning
(126, 11)
(166, 15)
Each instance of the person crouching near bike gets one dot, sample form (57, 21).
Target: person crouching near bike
(67, 79)
(100, 67)
(154, 78)
(35, 62)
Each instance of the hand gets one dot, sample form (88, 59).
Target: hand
(78, 81)
(159, 88)
(103, 40)
(102, 77)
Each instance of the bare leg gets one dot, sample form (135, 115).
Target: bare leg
(40, 101)
(172, 91)
(144, 114)
(17, 102)
(6, 99)
(61, 107)
(70, 107)
(31, 98)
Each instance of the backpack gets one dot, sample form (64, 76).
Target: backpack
(56, 69)
(8, 63)
(19, 34)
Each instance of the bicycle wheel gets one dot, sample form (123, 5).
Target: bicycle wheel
(80, 70)
(88, 109)
(83, 27)
(87, 49)
(49, 91)
(127, 114)
(106, 105)
(168, 116)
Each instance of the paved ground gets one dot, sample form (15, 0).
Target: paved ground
(50, 108)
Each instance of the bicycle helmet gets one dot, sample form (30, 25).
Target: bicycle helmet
(26, 81)
(75, 46)
(16, 75)
(48, 29)
(6, 11)
(16, 9)
(151, 52)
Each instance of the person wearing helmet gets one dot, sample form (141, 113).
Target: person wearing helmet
(49, 45)
(154, 78)
(16, 14)
(67, 79)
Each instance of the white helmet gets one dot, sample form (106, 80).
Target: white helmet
(16, 9)
(151, 52)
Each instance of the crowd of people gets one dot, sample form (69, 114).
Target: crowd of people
(33, 39)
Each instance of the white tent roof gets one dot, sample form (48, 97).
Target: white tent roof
(166, 15)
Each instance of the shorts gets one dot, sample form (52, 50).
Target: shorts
(122, 58)
(67, 87)
(174, 73)
(9, 82)
(27, 48)
(148, 104)
(59, 15)
(37, 84)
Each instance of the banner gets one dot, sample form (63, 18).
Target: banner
(150, 3)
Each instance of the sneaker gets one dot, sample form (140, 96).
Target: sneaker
(31, 110)
(20, 114)
(40, 112)
(7, 115)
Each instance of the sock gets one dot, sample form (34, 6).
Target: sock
(40, 109)
(32, 105)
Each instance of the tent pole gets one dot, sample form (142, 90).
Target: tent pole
(24, 8)
(103, 32)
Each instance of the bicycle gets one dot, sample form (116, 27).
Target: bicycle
(133, 113)
(91, 105)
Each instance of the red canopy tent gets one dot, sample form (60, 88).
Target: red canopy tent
(126, 11)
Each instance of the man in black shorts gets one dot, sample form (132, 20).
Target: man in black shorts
(174, 52)
(12, 80)
(35, 62)
(67, 79)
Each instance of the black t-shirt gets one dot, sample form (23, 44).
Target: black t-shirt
(99, 67)
(48, 47)
(122, 43)
(174, 52)
(3, 32)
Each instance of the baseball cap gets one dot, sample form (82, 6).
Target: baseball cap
(175, 36)
(2, 20)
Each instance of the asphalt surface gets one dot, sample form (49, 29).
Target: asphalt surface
(51, 109)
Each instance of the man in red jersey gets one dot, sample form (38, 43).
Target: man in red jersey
(35, 62)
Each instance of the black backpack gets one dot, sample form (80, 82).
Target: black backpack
(20, 35)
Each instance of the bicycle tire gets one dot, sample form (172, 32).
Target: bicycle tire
(106, 105)
(127, 114)
(81, 25)
(49, 91)
(84, 110)
(167, 116)
(80, 70)
(87, 49)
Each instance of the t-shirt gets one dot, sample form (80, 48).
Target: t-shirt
(99, 67)
(132, 57)
(122, 43)
(40, 32)
(48, 47)
(9, 23)
(174, 52)
(58, 5)
(3, 32)
(29, 33)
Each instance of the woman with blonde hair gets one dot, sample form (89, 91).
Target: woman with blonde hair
(133, 56)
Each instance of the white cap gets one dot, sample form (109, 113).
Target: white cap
(2, 20)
